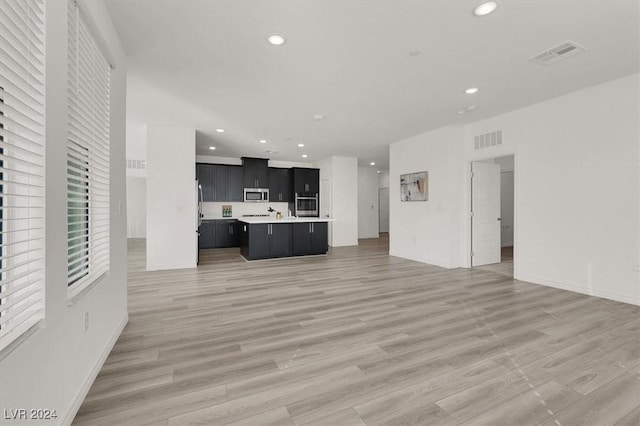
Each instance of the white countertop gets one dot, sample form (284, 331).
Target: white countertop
(220, 218)
(251, 220)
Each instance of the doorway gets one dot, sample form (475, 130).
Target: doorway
(492, 214)
(383, 210)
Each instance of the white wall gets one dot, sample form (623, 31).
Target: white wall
(367, 202)
(383, 179)
(326, 196)
(136, 144)
(577, 190)
(383, 199)
(136, 207)
(428, 231)
(54, 367)
(342, 175)
(171, 198)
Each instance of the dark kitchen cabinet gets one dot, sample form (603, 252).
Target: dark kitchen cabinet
(256, 243)
(305, 180)
(207, 230)
(219, 233)
(255, 172)
(279, 185)
(204, 174)
(280, 240)
(235, 188)
(220, 182)
(301, 238)
(309, 238)
(266, 240)
(228, 233)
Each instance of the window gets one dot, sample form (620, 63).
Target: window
(21, 167)
(87, 155)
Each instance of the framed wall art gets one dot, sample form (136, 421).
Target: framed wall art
(414, 187)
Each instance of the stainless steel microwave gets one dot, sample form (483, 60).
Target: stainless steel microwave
(256, 195)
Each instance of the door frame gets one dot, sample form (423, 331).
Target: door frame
(466, 247)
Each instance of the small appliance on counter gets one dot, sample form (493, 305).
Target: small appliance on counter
(227, 211)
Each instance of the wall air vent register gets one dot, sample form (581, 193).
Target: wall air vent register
(487, 140)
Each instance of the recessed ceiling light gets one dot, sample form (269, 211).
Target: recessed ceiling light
(378, 171)
(318, 117)
(263, 141)
(304, 155)
(300, 145)
(372, 163)
(485, 8)
(220, 130)
(471, 90)
(276, 39)
(467, 109)
(212, 148)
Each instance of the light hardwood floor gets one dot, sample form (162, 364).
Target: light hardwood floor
(359, 337)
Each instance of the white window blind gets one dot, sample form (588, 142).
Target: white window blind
(21, 167)
(87, 155)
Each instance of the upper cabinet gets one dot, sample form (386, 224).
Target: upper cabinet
(255, 172)
(279, 185)
(220, 182)
(235, 186)
(225, 183)
(204, 175)
(305, 180)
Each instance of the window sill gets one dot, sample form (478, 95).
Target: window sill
(13, 345)
(75, 294)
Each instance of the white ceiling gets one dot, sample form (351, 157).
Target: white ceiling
(379, 71)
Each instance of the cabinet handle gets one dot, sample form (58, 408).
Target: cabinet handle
(306, 187)
(313, 229)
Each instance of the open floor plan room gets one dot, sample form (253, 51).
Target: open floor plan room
(361, 337)
(292, 212)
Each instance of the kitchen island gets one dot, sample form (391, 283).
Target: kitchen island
(268, 237)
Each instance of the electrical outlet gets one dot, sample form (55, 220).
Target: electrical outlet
(86, 321)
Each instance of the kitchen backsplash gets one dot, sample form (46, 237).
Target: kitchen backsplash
(214, 210)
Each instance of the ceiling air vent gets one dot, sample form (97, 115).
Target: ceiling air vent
(487, 140)
(557, 53)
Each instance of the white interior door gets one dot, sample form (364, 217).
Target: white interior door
(485, 217)
(506, 208)
(383, 209)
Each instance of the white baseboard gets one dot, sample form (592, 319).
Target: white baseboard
(82, 394)
(604, 294)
